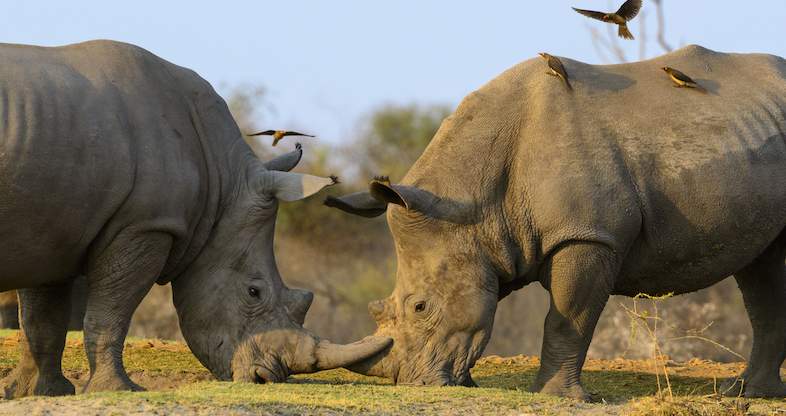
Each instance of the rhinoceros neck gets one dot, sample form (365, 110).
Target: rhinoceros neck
(225, 157)
(469, 160)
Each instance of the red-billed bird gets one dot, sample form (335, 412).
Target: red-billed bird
(278, 134)
(625, 14)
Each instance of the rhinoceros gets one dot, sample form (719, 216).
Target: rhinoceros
(121, 166)
(624, 186)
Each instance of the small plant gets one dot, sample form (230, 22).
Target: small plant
(650, 321)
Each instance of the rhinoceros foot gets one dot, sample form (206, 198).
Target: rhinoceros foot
(750, 387)
(28, 381)
(110, 381)
(557, 387)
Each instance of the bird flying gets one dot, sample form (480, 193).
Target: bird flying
(680, 79)
(556, 68)
(278, 134)
(621, 17)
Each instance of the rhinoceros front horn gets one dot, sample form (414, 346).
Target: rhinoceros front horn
(331, 355)
(272, 356)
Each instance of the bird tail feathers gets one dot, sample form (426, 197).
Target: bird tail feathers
(624, 32)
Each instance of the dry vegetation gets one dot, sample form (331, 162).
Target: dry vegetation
(183, 386)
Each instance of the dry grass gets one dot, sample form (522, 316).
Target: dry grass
(182, 386)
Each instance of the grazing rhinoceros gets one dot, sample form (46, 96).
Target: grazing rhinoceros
(121, 166)
(624, 186)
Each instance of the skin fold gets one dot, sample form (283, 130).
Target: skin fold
(626, 186)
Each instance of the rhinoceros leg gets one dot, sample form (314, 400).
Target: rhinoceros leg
(117, 282)
(579, 280)
(763, 286)
(44, 321)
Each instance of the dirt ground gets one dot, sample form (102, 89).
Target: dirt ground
(178, 384)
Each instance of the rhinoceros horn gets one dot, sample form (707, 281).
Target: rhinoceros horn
(331, 355)
(298, 352)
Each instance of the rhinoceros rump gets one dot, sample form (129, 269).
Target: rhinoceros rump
(625, 186)
(130, 170)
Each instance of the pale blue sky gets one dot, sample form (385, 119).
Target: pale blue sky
(326, 63)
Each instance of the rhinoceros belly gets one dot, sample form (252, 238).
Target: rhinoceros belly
(705, 218)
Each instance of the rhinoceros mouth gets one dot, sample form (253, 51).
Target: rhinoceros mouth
(262, 375)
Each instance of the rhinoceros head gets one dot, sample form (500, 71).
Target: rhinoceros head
(441, 312)
(237, 316)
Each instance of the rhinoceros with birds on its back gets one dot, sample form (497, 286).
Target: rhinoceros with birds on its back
(121, 166)
(624, 186)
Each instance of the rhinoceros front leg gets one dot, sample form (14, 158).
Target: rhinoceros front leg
(579, 279)
(117, 282)
(44, 314)
(763, 286)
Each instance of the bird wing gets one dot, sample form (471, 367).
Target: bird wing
(294, 133)
(262, 133)
(682, 77)
(556, 65)
(590, 13)
(629, 9)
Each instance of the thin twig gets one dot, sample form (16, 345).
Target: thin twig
(643, 36)
(715, 343)
(661, 26)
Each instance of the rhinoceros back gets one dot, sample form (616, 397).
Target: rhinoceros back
(94, 137)
(691, 184)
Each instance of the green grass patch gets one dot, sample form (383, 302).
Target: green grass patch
(179, 384)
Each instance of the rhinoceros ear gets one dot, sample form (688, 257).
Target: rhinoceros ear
(286, 162)
(381, 193)
(422, 201)
(374, 202)
(360, 203)
(287, 186)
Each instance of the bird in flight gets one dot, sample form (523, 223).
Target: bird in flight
(621, 17)
(279, 134)
(681, 80)
(556, 68)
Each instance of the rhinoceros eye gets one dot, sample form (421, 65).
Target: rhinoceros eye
(253, 292)
(420, 306)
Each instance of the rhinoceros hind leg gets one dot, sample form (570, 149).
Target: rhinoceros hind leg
(117, 282)
(579, 280)
(763, 286)
(44, 321)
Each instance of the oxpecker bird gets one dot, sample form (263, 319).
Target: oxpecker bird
(278, 134)
(681, 80)
(625, 14)
(556, 68)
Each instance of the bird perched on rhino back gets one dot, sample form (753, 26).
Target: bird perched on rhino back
(680, 79)
(556, 68)
(279, 134)
(621, 17)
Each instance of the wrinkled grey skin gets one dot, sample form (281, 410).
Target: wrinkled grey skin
(120, 166)
(9, 307)
(625, 186)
